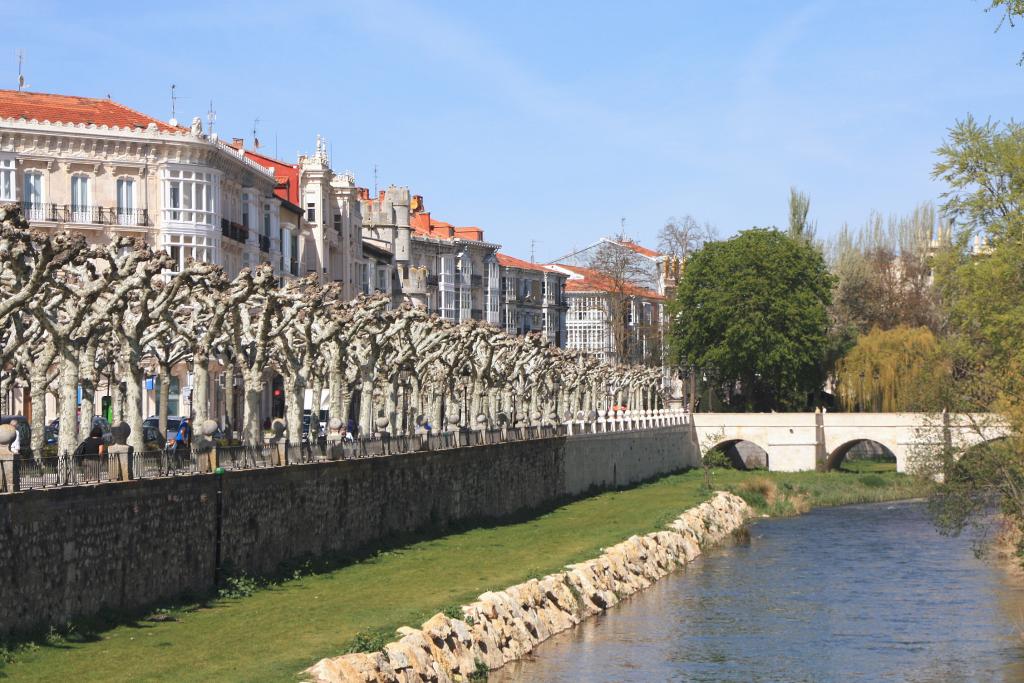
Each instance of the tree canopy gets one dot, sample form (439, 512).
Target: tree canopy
(751, 313)
(891, 370)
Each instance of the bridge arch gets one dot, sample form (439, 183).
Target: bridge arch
(744, 454)
(835, 459)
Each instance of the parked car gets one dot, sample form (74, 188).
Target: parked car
(53, 430)
(173, 422)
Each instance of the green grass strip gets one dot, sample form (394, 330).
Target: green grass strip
(276, 631)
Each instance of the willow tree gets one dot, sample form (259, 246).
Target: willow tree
(891, 371)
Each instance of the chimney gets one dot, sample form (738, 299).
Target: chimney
(238, 143)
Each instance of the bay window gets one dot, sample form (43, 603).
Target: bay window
(189, 196)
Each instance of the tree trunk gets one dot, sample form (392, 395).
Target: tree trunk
(253, 385)
(294, 399)
(37, 379)
(133, 402)
(229, 399)
(87, 380)
(200, 391)
(163, 400)
(67, 437)
(366, 425)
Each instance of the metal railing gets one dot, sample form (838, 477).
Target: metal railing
(24, 473)
(84, 215)
(234, 231)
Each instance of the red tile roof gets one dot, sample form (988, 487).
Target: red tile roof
(638, 248)
(286, 175)
(423, 224)
(71, 109)
(593, 281)
(513, 262)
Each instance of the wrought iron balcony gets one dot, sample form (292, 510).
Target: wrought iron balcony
(233, 231)
(84, 215)
(264, 243)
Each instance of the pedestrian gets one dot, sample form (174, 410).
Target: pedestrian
(90, 452)
(353, 429)
(16, 444)
(182, 441)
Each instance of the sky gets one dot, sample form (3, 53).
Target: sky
(547, 124)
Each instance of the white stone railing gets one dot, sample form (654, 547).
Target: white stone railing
(603, 421)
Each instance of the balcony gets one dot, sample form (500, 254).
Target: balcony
(84, 215)
(233, 231)
(432, 281)
(265, 243)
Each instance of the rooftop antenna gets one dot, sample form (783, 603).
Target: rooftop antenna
(375, 180)
(174, 102)
(255, 137)
(21, 76)
(622, 227)
(533, 244)
(211, 118)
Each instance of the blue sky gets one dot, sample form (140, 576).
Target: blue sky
(551, 121)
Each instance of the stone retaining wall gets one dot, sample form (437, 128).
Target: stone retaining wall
(71, 553)
(503, 626)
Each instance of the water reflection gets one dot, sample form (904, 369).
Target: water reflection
(860, 593)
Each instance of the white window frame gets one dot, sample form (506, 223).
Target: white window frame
(126, 201)
(34, 210)
(8, 178)
(81, 209)
(196, 190)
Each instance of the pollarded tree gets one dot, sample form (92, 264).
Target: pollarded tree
(752, 312)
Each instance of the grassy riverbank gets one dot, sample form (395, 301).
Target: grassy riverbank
(275, 632)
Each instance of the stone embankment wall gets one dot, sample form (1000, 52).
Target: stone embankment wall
(503, 626)
(71, 553)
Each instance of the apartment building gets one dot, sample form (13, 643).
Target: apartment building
(533, 299)
(613, 319)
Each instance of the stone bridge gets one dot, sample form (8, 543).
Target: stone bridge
(808, 441)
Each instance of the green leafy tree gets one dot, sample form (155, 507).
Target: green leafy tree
(799, 208)
(891, 370)
(751, 313)
(981, 289)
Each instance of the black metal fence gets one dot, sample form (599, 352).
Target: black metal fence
(72, 470)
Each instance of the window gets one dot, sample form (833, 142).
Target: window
(266, 220)
(7, 179)
(126, 201)
(337, 222)
(80, 199)
(188, 196)
(34, 209)
(184, 247)
(311, 212)
(245, 210)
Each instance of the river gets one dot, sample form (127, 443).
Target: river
(857, 593)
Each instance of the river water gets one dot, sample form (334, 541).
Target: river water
(857, 593)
